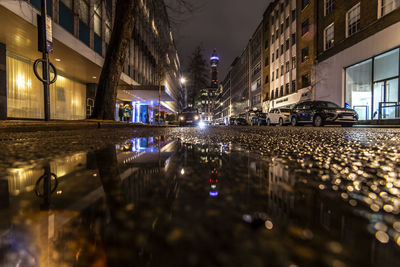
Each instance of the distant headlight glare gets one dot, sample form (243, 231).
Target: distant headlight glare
(196, 117)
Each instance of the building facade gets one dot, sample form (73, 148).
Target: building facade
(358, 59)
(255, 58)
(81, 32)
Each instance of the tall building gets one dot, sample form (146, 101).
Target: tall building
(255, 68)
(214, 60)
(81, 32)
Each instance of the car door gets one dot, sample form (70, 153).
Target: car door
(297, 112)
(273, 116)
(307, 112)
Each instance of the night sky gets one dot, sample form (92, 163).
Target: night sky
(226, 25)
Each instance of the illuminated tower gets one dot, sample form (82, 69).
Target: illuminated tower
(214, 60)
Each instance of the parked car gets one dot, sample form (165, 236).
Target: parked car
(231, 121)
(241, 121)
(260, 119)
(189, 117)
(278, 116)
(319, 113)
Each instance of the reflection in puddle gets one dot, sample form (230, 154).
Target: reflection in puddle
(161, 202)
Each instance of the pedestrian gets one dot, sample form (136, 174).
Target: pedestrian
(121, 112)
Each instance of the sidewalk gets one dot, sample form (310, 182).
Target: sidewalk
(34, 126)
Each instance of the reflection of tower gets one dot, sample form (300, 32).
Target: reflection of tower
(214, 60)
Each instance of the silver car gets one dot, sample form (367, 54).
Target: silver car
(278, 116)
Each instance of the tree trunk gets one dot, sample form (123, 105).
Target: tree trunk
(104, 108)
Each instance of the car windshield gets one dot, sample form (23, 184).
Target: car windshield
(325, 104)
(189, 110)
(285, 110)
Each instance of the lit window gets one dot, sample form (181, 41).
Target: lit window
(388, 6)
(84, 11)
(97, 19)
(329, 36)
(304, 54)
(353, 20)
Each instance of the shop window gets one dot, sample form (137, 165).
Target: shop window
(329, 36)
(386, 66)
(359, 88)
(353, 20)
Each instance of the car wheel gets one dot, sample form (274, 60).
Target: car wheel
(268, 122)
(293, 121)
(318, 121)
(280, 122)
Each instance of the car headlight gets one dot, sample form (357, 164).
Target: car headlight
(196, 117)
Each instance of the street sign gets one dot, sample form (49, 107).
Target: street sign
(49, 35)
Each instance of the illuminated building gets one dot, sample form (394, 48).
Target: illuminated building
(214, 60)
(81, 32)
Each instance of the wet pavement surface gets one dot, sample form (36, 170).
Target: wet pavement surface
(219, 196)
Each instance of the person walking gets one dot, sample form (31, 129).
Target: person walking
(121, 112)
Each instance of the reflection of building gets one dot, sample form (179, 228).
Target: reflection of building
(81, 34)
(240, 84)
(255, 68)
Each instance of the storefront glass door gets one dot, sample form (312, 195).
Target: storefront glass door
(386, 97)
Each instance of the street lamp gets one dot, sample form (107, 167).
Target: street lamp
(183, 80)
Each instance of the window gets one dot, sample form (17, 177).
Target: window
(287, 66)
(266, 44)
(281, 91)
(277, 34)
(84, 11)
(286, 2)
(387, 6)
(281, 7)
(272, 20)
(282, 48)
(293, 38)
(282, 70)
(305, 80)
(287, 22)
(293, 86)
(277, 53)
(272, 76)
(276, 93)
(272, 38)
(97, 19)
(293, 15)
(266, 79)
(304, 3)
(282, 28)
(272, 58)
(266, 61)
(305, 27)
(272, 94)
(329, 6)
(287, 89)
(304, 54)
(277, 73)
(329, 36)
(287, 44)
(353, 20)
(293, 62)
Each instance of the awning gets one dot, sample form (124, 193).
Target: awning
(142, 93)
(301, 95)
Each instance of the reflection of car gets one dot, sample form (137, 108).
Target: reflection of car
(322, 112)
(259, 120)
(240, 121)
(189, 117)
(278, 116)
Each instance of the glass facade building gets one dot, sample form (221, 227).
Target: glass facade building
(372, 86)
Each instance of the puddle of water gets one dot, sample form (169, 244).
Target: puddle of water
(161, 202)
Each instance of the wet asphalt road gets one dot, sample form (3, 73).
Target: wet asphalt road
(218, 196)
